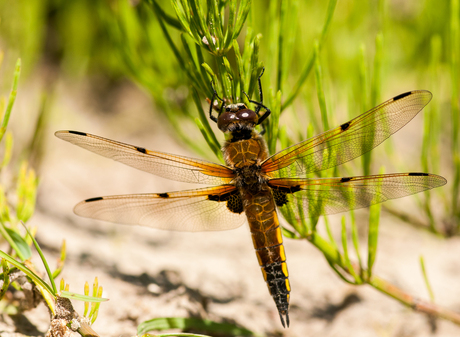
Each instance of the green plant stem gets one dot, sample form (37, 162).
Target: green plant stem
(425, 278)
(413, 302)
(45, 263)
(335, 258)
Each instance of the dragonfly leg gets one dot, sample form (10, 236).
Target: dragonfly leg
(260, 104)
(211, 105)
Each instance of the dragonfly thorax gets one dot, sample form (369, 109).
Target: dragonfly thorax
(250, 177)
(237, 118)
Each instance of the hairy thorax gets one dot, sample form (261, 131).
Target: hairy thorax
(245, 157)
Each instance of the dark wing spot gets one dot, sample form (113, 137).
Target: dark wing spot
(78, 133)
(344, 180)
(235, 204)
(280, 193)
(94, 199)
(416, 174)
(345, 126)
(233, 199)
(280, 198)
(141, 149)
(402, 96)
(292, 189)
(163, 195)
(213, 197)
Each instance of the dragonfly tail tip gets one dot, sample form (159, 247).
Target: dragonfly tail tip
(285, 324)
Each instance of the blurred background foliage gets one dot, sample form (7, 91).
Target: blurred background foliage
(369, 52)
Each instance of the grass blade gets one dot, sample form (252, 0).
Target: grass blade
(205, 325)
(425, 278)
(12, 98)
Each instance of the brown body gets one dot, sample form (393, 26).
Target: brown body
(245, 157)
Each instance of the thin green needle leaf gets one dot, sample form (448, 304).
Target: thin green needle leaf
(339, 272)
(61, 261)
(355, 238)
(425, 278)
(192, 324)
(73, 296)
(214, 143)
(282, 18)
(374, 220)
(345, 252)
(176, 335)
(377, 76)
(245, 6)
(228, 38)
(8, 150)
(45, 263)
(12, 98)
(287, 233)
(273, 121)
(214, 149)
(193, 67)
(329, 233)
(172, 21)
(173, 47)
(320, 90)
(364, 95)
(35, 278)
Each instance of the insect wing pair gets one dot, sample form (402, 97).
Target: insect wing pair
(197, 210)
(223, 207)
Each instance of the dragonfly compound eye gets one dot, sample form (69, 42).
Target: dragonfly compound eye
(237, 119)
(247, 115)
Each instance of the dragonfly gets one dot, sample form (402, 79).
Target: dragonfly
(253, 186)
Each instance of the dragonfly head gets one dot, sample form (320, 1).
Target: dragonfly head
(237, 117)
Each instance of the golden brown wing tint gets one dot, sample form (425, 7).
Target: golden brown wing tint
(208, 209)
(349, 140)
(315, 197)
(165, 165)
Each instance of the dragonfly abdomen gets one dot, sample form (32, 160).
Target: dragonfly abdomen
(268, 243)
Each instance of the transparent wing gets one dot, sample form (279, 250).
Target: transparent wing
(315, 197)
(207, 209)
(165, 165)
(349, 140)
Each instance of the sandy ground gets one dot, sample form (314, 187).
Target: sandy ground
(149, 273)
